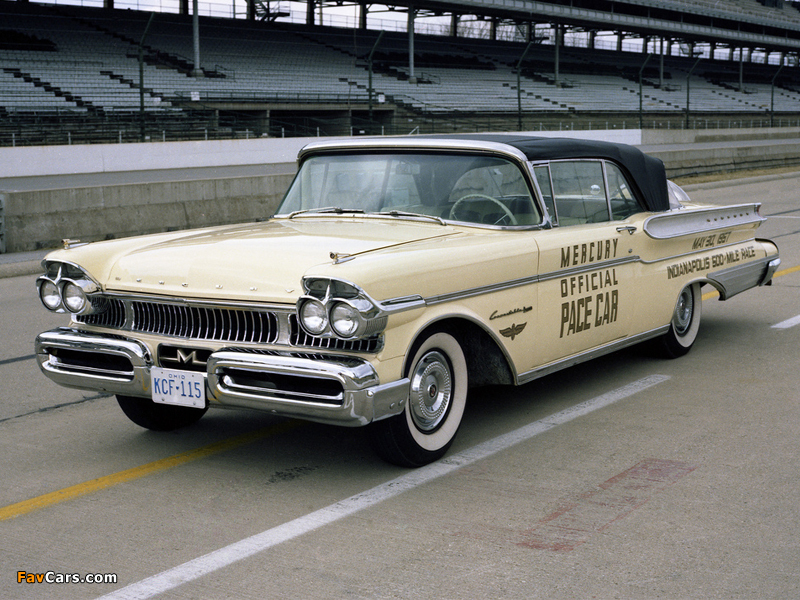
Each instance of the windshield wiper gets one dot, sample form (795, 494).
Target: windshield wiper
(400, 213)
(328, 209)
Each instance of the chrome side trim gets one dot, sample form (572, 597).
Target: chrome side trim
(588, 355)
(479, 291)
(694, 221)
(695, 252)
(608, 264)
(396, 305)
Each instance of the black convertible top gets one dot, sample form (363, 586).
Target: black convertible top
(647, 172)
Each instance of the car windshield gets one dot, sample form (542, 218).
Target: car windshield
(453, 187)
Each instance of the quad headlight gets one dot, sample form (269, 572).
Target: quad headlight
(74, 297)
(345, 320)
(332, 308)
(314, 317)
(49, 294)
(65, 288)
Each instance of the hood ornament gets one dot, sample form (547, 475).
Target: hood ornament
(340, 257)
(69, 244)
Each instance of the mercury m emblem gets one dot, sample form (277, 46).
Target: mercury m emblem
(189, 358)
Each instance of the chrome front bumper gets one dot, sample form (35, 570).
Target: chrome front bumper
(339, 390)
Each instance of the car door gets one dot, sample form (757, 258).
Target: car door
(589, 260)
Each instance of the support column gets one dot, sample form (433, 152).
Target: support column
(557, 58)
(741, 70)
(310, 12)
(196, 39)
(363, 9)
(412, 15)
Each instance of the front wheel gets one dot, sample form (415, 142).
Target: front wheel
(685, 322)
(424, 431)
(158, 417)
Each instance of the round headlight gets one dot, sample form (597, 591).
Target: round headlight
(48, 293)
(74, 298)
(314, 317)
(345, 320)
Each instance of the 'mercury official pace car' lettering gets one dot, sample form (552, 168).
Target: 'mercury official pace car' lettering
(582, 254)
(597, 305)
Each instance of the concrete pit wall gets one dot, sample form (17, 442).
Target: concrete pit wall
(706, 151)
(41, 219)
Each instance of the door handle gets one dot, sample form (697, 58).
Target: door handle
(629, 228)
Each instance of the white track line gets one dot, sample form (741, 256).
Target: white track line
(194, 569)
(787, 323)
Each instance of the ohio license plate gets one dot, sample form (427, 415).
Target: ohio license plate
(182, 388)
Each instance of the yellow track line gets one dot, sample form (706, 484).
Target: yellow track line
(715, 293)
(101, 483)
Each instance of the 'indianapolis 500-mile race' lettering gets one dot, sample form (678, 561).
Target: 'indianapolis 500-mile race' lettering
(706, 263)
(597, 304)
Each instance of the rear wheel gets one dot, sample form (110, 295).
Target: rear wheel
(158, 417)
(424, 431)
(685, 322)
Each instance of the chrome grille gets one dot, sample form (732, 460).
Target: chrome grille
(215, 324)
(299, 337)
(204, 323)
(192, 322)
(114, 316)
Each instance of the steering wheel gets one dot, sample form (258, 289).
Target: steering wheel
(512, 219)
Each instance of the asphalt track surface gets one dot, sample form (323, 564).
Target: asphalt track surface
(627, 477)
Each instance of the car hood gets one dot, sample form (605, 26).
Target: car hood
(261, 262)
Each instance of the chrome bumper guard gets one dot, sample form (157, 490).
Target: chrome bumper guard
(83, 360)
(339, 390)
(735, 280)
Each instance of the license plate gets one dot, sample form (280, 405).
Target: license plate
(182, 388)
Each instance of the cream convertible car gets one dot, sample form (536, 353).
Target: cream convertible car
(396, 274)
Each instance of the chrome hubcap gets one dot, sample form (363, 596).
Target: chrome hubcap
(431, 391)
(683, 312)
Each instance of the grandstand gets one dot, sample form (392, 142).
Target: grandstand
(72, 74)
